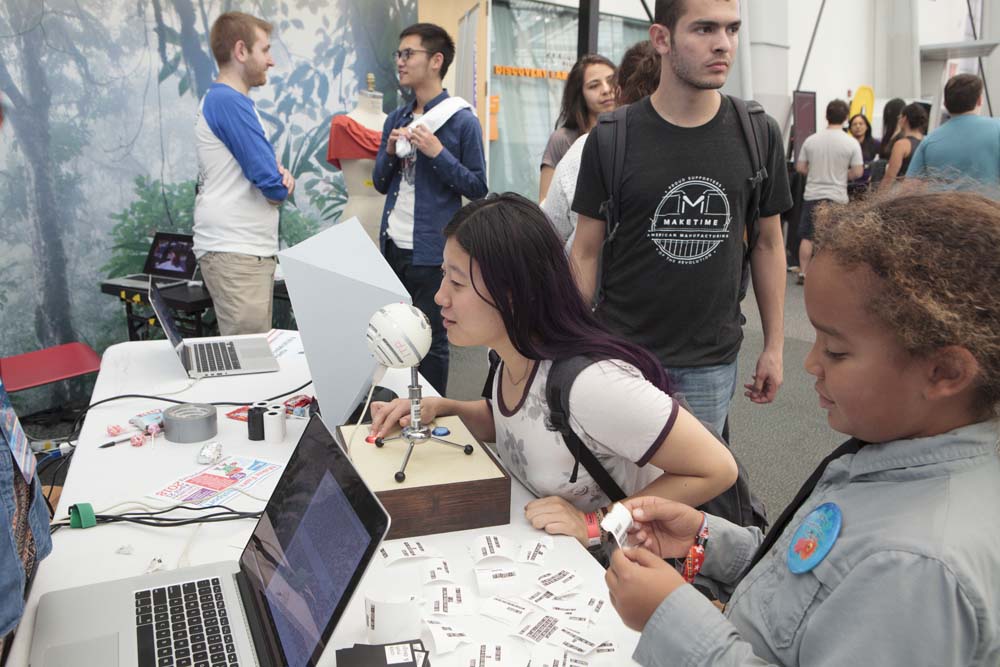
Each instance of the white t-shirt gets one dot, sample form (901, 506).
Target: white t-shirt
(400, 223)
(830, 153)
(615, 411)
(559, 200)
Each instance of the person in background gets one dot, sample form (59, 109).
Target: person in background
(890, 119)
(637, 77)
(241, 185)
(424, 184)
(506, 284)
(889, 554)
(828, 159)
(912, 127)
(589, 92)
(967, 147)
(861, 129)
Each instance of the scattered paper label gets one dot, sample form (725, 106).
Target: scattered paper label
(437, 570)
(446, 636)
(547, 656)
(401, 550)
(572, 641)
(489, 579)
(607, 648)
(389, 619)
(490, 546)
(597, 608)
(398, 654)
(534, 552)
(489, 655)
(559, 582)
(541, 598)
(617, 522)
(447, 600)
(509, 611)
(539, 630)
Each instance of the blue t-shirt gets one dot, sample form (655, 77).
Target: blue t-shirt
(966, 147)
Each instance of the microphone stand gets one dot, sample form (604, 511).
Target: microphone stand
(417, 432)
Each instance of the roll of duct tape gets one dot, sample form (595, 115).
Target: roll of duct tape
(190, 422)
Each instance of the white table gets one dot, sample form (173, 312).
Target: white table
(104, 477)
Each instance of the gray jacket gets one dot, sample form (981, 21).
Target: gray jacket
(914, 578)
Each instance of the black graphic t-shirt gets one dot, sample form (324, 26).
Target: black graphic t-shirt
(672, 276)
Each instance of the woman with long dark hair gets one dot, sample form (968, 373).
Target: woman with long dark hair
(890, 120)
(912, 128)
(589, 92)
(507, 284)
(861, 130)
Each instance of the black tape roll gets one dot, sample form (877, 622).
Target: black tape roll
(255, 423)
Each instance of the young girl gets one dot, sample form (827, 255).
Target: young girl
(890, 554)
(507, 284)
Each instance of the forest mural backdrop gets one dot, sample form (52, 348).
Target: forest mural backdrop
(98, 149)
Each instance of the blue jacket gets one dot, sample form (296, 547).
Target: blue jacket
(458, 171)
(13, 578)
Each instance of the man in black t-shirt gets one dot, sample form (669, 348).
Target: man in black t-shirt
(672, 274)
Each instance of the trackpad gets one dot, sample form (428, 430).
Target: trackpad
(101, 651)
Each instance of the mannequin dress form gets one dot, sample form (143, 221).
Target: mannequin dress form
(354, 141)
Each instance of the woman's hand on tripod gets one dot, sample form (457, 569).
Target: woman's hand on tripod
(387, 416)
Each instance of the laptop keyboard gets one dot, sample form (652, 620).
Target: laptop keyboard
(185, 625)
(216, 356)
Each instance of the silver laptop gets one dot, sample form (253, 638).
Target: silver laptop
(277, 605)
(170, 262)
(220, 355)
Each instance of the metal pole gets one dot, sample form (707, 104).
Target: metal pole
(982, 74)
(802, 72)
(646, 9)
(586, 38)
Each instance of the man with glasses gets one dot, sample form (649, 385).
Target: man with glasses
(425, 182)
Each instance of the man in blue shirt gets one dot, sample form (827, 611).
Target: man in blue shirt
(425, 184)
(240, 183)
(966, 149)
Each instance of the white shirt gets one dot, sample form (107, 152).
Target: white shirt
(830, 153)
(400, 228)
(615, 411)
(559, 200)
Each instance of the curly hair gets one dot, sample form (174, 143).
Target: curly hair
(639, 72)
(935, 257)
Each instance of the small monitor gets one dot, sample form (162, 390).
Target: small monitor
(171, 256)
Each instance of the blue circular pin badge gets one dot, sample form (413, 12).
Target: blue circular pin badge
(814, 538)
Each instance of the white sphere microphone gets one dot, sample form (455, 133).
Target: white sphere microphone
(399, 335)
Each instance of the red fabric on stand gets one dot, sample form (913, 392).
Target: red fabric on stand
(350, 140)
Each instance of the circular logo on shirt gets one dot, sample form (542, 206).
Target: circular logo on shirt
(814, 538)
(692, 220)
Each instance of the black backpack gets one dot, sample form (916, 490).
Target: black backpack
(612, 133)
(738, 504)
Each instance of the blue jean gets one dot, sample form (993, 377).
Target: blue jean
(707, 389)
(422, 282)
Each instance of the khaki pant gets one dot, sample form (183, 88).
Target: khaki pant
(242, 290)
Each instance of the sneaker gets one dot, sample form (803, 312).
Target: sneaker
(800, 279)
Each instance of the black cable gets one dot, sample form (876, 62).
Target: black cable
(55, 476)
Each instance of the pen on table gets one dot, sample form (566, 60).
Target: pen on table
(112, 443)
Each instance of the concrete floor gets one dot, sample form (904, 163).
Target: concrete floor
(779, 444)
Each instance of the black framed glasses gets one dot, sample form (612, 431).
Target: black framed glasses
(405, 54)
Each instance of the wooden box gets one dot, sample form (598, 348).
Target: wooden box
(444, 490)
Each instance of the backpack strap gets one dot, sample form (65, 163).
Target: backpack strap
(562, 374)
(753, 122)
(611, 129)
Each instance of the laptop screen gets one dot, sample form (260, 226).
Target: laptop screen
(311, 547)
(165, 318)
(171, 256)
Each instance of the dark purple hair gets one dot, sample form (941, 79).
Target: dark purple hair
(529, 281)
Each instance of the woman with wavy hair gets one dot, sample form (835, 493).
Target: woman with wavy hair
(589, 92)
(506, 284)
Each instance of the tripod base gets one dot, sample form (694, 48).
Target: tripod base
(415, 436)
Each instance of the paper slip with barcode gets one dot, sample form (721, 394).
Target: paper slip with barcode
(598, 608)
(445, 635)
(534, 552)
(572, 641)
(490, 579)
(539, 630)
(491, 546)
(490, 655)
(607, 648)
(541, 598)
(396, 654)
(448, 600)
(571, 615)
(403, 550)
(437, 569)
(543, 655)
(617, 522)
(559, 582)
(509, 611)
